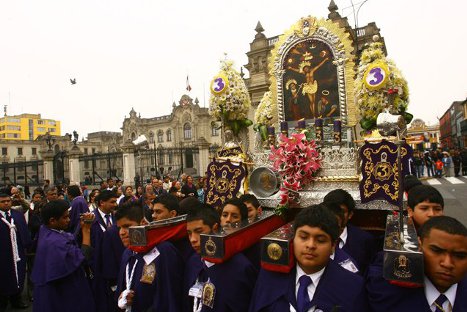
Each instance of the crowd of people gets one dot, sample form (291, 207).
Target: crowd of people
(69, 246)
(439, 163)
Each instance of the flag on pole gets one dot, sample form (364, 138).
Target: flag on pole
(188, 87)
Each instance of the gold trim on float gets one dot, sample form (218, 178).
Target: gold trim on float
(340, 44)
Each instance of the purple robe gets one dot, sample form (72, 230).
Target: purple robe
(338, 290)
(343, 259)
(360, 246)
(9, 285)
(164, 293)
(184, 248)
(234, 281)
(383, 296)
(60, 283)
(101, 287)
(78, 206)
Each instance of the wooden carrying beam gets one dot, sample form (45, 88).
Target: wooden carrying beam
(144, 237)
(219, 247)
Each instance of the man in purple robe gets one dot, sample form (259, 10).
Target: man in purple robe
(14, 239)
(59, 273)
(150, 281)
(316, 283)
(104, 220)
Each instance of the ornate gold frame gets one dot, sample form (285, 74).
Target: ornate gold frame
(341, 46)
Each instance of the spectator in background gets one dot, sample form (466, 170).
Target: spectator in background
(92, 199)
(139, 191)
(429, 164)
(200, 189)
(456, 160)
(166, 183)
(439, 168)
(189, 189)
(464, 161)
(418, 165)
(447, 161)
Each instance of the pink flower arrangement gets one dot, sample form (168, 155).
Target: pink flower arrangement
(296, 160)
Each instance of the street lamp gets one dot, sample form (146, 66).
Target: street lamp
(49, 140)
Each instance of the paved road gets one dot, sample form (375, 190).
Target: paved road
(454, 192)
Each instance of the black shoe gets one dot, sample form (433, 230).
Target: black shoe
(19, 304)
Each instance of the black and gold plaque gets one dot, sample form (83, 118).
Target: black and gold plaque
(403, 260)
(276, 249)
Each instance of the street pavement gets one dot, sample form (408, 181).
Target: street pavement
(454, 192)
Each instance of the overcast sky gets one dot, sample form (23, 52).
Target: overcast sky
(137, 53)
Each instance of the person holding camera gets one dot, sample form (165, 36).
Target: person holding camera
(60, 274)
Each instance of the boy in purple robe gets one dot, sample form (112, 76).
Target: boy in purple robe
(443, 242)
(357, 243)
(59, 273)
(78, 207)
(151, 281)
(214, 287)
(339, 255)
(316, 283)
(14, 239)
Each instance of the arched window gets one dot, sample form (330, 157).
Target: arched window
(169, 135)
(160, 136)
(187, 131)
(151, 137)
(133, 136)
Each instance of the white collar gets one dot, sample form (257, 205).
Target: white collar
(343, 235)
(431, 293)
(208, 264)
(151, 255)
(315, 277)
(4, 213)
(103, 215)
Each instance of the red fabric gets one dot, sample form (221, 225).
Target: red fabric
(244, 238)
(158, 235)
(279, 267)
(406, 284)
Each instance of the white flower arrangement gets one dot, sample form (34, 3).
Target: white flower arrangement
(266, 113)
(232, 104)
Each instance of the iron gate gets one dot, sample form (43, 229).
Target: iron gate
(101, 166)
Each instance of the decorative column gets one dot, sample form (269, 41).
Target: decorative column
(129, 165)
(73, 162)
(48, 158)
(203, 162)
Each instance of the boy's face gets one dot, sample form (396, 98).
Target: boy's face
(160, 212)
(123, 226)
(445, 257)
(230, 214)
(61, 223)
(312, 248)
(253, 212)
(424, 211)
(347, 215)
(195, 229)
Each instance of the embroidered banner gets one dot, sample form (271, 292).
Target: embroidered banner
(224, 181)
(380, 172)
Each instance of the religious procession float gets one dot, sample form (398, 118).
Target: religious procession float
(325, 123)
